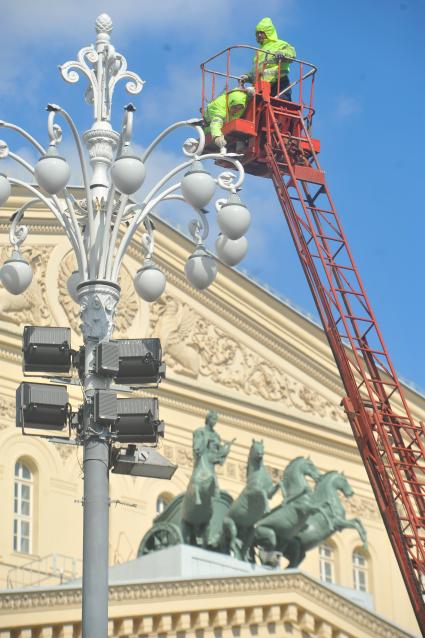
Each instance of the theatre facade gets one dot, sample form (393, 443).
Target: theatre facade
(267, 370)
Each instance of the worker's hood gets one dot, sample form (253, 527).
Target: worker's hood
(267, 26)
(237, 97)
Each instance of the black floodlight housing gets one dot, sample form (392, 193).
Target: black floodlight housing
(138, 421)
(140, 362)
(135, 461)
(42, 406)
(46, 350)
(105, 407)
(107, 358)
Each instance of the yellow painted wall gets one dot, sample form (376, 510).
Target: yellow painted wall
(264, 367)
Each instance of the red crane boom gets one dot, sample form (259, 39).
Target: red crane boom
(274, 141)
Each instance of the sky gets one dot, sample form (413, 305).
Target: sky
(369, 101)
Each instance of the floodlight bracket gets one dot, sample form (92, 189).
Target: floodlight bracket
(60, 439)
(141, 461)
(62, 380)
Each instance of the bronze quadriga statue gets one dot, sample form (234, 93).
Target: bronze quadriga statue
(196, 516)
(207, 517)
(250, 506)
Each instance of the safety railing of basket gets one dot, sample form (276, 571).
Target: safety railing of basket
(220, 68)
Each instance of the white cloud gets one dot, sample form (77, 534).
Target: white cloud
(347, 106)
(29, 30)
(179, 96)
(33, 22)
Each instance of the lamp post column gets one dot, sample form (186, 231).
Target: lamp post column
(98, 300)
(100, 228)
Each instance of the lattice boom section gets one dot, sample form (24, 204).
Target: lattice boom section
(392, 444)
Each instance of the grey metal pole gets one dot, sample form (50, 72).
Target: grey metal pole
(93, 227)
(95, 538)
(98, 300)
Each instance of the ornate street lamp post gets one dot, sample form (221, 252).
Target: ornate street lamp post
(100, 229)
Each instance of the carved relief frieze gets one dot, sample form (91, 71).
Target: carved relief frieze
(65, 451)
(183, 457)
(169, 452)
(195, 347)
(127, 308)
(231, 470)
(32, 305)
(361, 507)
(275, 472)
(242, 472)
(7, 412)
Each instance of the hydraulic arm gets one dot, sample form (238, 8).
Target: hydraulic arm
(275, 142)
(391, 443)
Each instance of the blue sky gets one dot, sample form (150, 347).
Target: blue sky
(369, 117)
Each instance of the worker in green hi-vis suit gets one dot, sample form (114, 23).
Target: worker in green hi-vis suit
(267, 66)
(224, 108)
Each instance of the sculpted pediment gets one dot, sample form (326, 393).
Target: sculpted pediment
(197, 348)
(193, 346)
(38, 305)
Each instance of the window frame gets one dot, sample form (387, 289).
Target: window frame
(359, 569)
(327, 561)
(22, 543)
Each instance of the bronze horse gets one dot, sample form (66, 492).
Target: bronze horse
(329, 518)
(250, 506)
(276, 529)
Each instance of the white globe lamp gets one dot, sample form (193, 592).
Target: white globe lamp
(197, 186)
(5, 189)
(16, 274)
(231, 251)
(233, 217)
(52, 172)
(128, 172)
(149, 281)
(73, 281)
(201, 268)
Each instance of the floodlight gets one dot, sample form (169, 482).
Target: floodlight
(107, 358)
(46, 350)
(140, 362)
(105, 407)
(138, 421)
(42, 406)
(142, 462)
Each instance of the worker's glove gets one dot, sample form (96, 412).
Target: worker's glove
(244, 78)
(250, 90)
(220, 141)
(279, 56)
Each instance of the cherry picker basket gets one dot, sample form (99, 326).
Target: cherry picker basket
(222, 73)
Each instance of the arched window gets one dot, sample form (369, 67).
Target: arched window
(162, 502)
(360, 570)
(22, 508)
(327, 563)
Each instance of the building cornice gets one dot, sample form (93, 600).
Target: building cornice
(211, 592)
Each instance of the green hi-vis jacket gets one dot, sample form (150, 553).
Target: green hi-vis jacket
(268, 71)
(217, 112)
